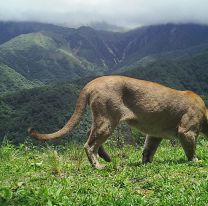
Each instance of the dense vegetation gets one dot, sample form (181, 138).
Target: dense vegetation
(11, 81)
(37, 56)
(47, 52)
(45, 108)
(63, 176)
(42, 69)
(40, 65)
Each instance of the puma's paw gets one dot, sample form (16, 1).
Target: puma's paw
(195, 159)
(99, 166)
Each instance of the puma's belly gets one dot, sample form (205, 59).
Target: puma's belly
(155, 127)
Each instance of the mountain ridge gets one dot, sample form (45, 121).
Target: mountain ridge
(48, 52)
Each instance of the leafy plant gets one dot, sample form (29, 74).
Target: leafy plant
(31, 175)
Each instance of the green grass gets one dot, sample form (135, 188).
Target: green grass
(47, 176)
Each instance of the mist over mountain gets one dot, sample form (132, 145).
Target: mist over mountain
(127, 14)
(103, 26)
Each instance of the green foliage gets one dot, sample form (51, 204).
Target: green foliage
(43, 57)
(11, 81)
(25, 41)
(47, 52)
(35, 53)
(54, 162)
(27, 177)
(137, 136)
(46, 109)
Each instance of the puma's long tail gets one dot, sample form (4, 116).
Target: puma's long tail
(80, 107)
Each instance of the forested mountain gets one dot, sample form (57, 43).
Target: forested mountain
(46, 52)
(11, 81)
(43, 67)
(45, 108)
(39, 57)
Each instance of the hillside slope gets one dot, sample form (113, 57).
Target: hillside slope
(190, 73)
(45, 108)
(11, 81)
(163, 38)
(174, 55)
(70, 53)
(37, 56)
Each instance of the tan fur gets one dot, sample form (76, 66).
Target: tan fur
(156, 110)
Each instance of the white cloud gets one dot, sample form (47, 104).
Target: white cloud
(125, 13)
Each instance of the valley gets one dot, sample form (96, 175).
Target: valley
(43, 67)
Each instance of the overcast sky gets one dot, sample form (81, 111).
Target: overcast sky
(126, 13)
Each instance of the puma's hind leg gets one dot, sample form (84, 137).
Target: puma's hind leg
(150, 146)
(187, 134)
(101, 130)
(101, 151)
(103, 154)
(188, 142)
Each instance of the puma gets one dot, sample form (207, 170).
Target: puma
(156, 110)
